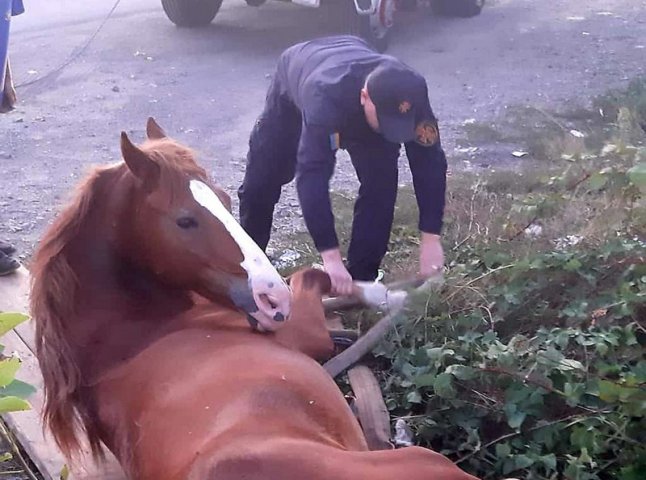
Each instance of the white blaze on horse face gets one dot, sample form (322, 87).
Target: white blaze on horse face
(270, 292)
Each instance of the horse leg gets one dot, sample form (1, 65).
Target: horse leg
(306, 329)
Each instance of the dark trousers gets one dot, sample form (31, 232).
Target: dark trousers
(271, 163)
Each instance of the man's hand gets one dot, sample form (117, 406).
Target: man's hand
(431, 255)
(339, 275)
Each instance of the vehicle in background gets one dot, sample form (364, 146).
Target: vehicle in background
(371, 19)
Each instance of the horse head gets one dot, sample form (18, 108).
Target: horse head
(179, 226)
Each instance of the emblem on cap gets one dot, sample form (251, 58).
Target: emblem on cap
(426, 133)
(404, 107)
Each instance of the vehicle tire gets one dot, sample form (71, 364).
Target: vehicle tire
(191, 13)
(406, 5)
(457, 8)
(360, 26)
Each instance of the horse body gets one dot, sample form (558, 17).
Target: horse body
(248, 408)
(241, 388)
(137, 295)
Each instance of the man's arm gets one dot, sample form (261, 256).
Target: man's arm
(428, 166)
(315, 165)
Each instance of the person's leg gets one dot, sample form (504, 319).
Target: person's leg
(271, 163)
(8, 92)
(376, 166)
(8, 264)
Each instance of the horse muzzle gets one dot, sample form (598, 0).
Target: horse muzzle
(266, 301)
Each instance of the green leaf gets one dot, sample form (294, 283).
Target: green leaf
(8, 369)
(573, 265)
(597, 181)
(9, 321)
(573, 392)
(17, 389)
(425, 380)
(516, 419)
(601, 348)
(582, 437)
(443, 385)
(503, 450)
(549, 461)
(548, 436)
(461, 372)
(522, 461)
(470, 337)
(609, 392)
(569, 364)
(13, 404)
(516, 393)
(437, 354)
(633, 472)
(585, 456)
(637, 175)
(5, 457)
(65, 473)
(640, 371)
(550, 357)
(414, 397)
(509, 466)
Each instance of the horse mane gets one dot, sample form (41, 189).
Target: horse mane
(52, 301)
(54, 287)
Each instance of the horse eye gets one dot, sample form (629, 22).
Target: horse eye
(187, 222)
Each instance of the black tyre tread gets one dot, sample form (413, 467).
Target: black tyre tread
(191, 13)
(456, 8)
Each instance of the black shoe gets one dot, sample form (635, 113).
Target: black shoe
(6, 248)
(8, 265)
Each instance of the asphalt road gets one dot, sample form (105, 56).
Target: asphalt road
(206, 86)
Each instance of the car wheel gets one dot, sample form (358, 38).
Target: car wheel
(457, 8)
(360, 26)
(374, 28)
(191, 13)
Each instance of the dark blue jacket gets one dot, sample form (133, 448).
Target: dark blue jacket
(324, 78)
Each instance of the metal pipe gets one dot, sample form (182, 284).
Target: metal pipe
(358, 298)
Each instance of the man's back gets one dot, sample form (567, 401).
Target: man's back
(323, 77)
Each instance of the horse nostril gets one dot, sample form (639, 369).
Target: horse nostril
(267, 299)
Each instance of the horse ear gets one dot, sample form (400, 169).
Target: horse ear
(153, 130)
(139, 163)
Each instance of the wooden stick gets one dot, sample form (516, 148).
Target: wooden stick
(365, 344)
(371, 408)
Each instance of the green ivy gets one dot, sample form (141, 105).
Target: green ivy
(530, 362)
(13, 392)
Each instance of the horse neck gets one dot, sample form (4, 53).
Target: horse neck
(119, 307)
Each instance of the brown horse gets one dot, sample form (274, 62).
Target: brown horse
(137, 291)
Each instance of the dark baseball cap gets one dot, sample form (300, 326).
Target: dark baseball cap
(400, 96)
